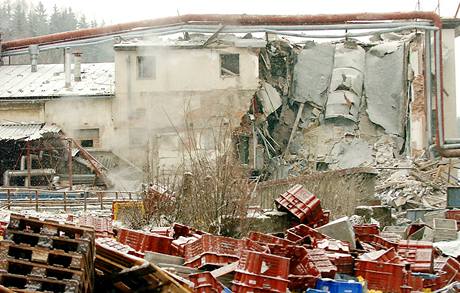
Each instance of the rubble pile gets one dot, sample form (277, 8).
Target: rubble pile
(314, 253)
(421, 184)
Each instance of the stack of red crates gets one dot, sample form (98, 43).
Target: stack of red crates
(302, 204)
(387, 277)
(144, 241)
(448, 271)
(419, 254)
(212, 250)
(261, 272)
(322, 262)
(102, 225)
(364, 232)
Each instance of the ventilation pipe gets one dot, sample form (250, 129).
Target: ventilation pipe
(8, 174)
(67, 64)
(33, 51)
(77, 66)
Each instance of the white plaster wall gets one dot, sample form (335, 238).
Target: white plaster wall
(450, 104)
(21, 112)
(72, 114)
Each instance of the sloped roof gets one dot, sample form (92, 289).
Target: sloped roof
(18, 82)
(26, 131)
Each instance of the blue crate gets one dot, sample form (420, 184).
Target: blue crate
(336, 286)
(315, 291)
(453, 197)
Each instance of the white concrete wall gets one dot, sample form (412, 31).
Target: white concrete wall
(188, 86)
(72, 114)
(450, 97)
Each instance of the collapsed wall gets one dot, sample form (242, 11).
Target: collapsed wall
(338, 105)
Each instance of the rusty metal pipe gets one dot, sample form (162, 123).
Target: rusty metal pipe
(225, 19)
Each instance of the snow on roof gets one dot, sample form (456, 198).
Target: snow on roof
(18, 82)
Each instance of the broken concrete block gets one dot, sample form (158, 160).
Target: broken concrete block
(444, 229)
(269, 97)
(399, 230)
(381, 214)
(160, 258)
(340, 229)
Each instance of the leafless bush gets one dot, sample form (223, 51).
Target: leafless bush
(209, 190)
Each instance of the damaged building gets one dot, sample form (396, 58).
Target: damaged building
(298, 103)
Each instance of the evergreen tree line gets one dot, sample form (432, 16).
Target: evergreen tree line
(19, 19)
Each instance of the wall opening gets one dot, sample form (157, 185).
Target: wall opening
(146, 67)
(229, 64)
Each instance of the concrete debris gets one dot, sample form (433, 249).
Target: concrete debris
(351, 153)
(270, 98)
(340, 229)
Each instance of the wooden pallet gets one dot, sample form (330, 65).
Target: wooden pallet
(54, 257)
(51, 228)
(19, 283)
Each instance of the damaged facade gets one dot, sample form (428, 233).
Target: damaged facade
(296, 106)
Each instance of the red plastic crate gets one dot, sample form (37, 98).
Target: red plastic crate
(254, 246)
(344, 262)
(364, 232)
(419, 254)
(156, 243)
(185, 231)
(322, 262)
(268, 239)
(214, 250)
(271, 284)
(264, 264)
(205, 282)
(302, 204)
(382, 243)
(300, 233)
(387, 277)
(448, 270)
(454, 215)
(240, 288)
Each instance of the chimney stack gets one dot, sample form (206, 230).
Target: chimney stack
(77, 66)
(33, 51)
(67, 64)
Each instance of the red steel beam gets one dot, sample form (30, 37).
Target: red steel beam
(227, 19)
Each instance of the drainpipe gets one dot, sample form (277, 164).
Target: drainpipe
(77, 66)
(67, 64)
(33, 51)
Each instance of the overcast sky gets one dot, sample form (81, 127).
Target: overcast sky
(114, 11)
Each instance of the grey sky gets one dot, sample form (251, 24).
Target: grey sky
(114, 11)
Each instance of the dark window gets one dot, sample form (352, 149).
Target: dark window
(87, 143)
(146, 67)
(229, 64)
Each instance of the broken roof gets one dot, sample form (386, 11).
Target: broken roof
(26, 131)
(18, 82)
(196, 41)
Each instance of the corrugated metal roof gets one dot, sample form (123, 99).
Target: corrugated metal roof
(26, 131)
(17, 81)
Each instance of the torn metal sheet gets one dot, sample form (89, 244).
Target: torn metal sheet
(344, 98)
(384, 84)
(270, 98)
(312, 73)
(343, 104)
(349, 55)
(348, 79)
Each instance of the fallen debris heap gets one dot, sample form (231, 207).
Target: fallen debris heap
(312, 254)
